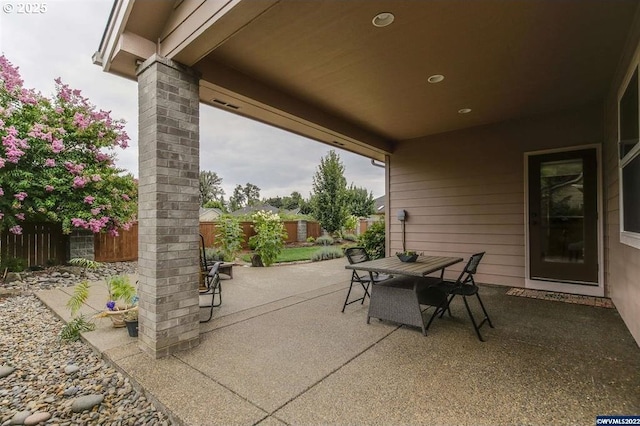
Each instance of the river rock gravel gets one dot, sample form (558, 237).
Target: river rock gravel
(39, 388)
(61, 276)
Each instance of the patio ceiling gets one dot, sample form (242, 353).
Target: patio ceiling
(321, 69)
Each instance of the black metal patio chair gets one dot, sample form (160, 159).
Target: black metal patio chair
(466, 286)
(358, 255)
(211, 288)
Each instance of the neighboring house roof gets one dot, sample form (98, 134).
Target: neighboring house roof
(210, 214)
(379, 203)
(254, 208)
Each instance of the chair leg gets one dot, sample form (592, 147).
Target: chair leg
(447, 308)
(473, 320)
(486, 315)
(217, 289)
(365, 287)
(347, 298)
(366, 292)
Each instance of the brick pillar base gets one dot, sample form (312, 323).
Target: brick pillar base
(168, 253)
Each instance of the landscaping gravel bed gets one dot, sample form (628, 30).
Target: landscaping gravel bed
(44, 380)
(47, 381)
(62, 276)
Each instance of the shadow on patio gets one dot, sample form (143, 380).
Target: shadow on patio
(279, 351)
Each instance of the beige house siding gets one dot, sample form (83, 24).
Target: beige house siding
(622, 262)
(464, 191)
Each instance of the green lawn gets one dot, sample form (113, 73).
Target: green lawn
(290, 254)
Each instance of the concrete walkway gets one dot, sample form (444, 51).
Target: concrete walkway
(278, 351)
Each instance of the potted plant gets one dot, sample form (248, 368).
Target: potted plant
(122, 299)
(131, 321)
(407, 256)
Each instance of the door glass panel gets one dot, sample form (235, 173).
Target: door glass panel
(562, 211)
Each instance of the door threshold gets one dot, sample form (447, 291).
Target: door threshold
(600, 302)
(565, 287)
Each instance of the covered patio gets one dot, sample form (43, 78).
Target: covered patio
(476, 109)
(280, 352)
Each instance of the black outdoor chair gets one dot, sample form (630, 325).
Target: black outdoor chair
(465, 286)
(211, 288)
(358, 255)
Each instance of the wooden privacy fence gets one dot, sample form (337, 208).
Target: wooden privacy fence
(208, 231)
(123, 248)
(40, 244)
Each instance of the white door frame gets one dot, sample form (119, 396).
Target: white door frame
(564, 287)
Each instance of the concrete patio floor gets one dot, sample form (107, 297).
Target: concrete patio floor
(278, 351)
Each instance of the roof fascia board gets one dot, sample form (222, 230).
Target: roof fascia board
(113, 32)
(206, 27)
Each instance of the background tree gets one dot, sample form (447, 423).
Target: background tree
(293, 201)
(210, 187)
(360, 201)
(216, 204)
(237, 199)
(273, 201)
(244, 196)
(251, 193)
(329, 198)
(57, 160)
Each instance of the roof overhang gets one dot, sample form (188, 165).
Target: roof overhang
(322, 70)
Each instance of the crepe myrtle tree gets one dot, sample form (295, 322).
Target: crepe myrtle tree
(57, 160)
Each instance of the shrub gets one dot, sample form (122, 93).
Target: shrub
(213, 255)
(311, 239)
(71, 330)
(327, 253)
(350, 237)
(270, 236)
(14, 264)
(373, 240)
(324, 240)
(229, 237)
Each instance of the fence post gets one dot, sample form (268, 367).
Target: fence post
(302, 231)
(81, 245)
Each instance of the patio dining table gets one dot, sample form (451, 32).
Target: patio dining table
(398, 299)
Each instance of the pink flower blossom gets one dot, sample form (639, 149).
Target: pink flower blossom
(57, 146)
(16, 230)
(20, 216)
(21, 196)
(96, 211)
(79, 182)
(1, 192)
(1, 215)
(80, 120)
(89, 199)
(126, 197)
(113, 232)
(50, 162)
(76, 169)
(2, 161)
(49, 188)
(102, 157)
(9, 75)
(96, 178)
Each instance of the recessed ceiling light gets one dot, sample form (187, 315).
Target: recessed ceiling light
(464, 111)
(436, 78)
(383, 19)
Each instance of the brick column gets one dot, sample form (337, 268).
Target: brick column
(168, 252)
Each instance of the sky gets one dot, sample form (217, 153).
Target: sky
(59, 42)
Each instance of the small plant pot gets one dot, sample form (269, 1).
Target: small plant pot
(407, 257)
(132, 328)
